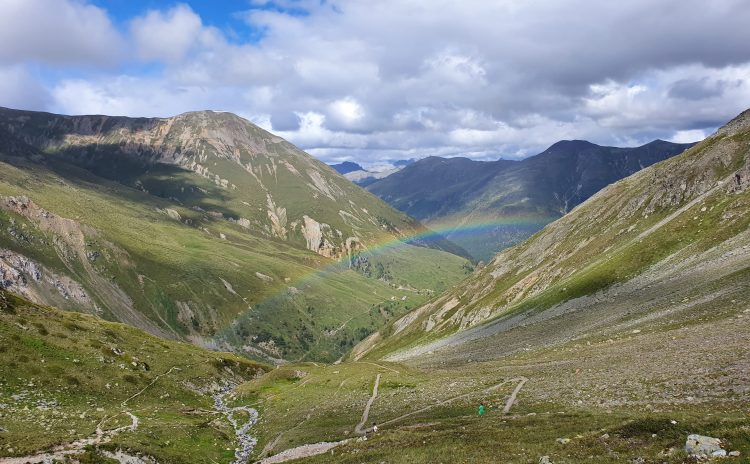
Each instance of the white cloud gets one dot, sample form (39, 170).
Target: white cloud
(168, 35)
(347, 111)
(58, 32)
(19, 89)
(688, 136)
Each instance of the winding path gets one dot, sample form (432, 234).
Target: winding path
(508, 404)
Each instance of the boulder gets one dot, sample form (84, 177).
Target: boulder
(544, 460)
(700, 445)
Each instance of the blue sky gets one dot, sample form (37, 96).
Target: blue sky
(371, 81)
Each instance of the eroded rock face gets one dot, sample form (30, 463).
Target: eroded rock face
(28, 278)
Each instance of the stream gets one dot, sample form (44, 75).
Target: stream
(246, 442)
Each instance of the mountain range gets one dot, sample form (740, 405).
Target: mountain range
(655, 250)
(486, 206)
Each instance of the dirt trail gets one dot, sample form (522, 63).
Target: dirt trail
(152, 382)
(304, 451)
(514, 395)
(59, 452)
(358, 429)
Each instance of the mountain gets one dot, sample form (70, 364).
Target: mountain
(487, 206)
(204, 227)
(346, 167)
(662, 249)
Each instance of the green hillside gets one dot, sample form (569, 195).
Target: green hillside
(66, 374)
(205, 228)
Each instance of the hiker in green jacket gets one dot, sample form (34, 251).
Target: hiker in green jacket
(481, 409)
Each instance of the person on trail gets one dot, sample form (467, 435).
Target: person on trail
(374, 427)
(481, 409)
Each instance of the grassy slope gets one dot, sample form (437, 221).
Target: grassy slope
(64, 372)
(629, 386)
(185, 263)
(612, 238)
(688, 366)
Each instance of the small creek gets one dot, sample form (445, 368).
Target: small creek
(246, 442)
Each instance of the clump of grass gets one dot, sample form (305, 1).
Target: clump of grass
(73, 327)
(130, 379)
(71, 380)
(41, 329)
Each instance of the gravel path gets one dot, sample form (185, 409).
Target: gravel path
(314, 449)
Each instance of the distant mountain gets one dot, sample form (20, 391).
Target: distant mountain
(204, 227)
(486, 206)
(346, 167)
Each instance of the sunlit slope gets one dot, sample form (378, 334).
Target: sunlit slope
(679, 227)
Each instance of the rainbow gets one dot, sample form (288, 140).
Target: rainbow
(394, 243)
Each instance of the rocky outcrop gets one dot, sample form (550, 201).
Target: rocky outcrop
(277, 216)
(31, 280)
(703, 446)
(315, 237)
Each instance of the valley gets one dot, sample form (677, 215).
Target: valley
(487, 206)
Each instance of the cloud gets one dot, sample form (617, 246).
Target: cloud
(384, 80)
(19, 89)
(60, 32)
(166, 36)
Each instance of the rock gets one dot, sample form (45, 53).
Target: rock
(563, 441)
(544, 460)
(719, 454)
(734, 454)
(700, 445)
(605, 436)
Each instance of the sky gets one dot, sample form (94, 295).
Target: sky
(377, 80)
